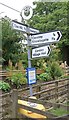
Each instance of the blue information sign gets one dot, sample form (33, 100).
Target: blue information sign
(31, 75)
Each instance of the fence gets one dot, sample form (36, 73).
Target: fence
(4, 73)
(67, 70)
(50, 94)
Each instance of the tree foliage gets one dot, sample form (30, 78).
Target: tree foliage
(51, 16)
(10, 42)
(48, 16)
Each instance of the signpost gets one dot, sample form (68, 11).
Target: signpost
(27, 14)
(41, 52)
(37, 39)
(45, 38)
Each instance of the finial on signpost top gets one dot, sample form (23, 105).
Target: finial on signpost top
(27, 12)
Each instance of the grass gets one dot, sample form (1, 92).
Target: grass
(67, 103)
(59, 112)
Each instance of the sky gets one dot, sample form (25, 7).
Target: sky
(16, 4)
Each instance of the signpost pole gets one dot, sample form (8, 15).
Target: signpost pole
(29, 60)
(29, 11)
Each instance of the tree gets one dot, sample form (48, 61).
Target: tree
(51, 16)
(10, 42)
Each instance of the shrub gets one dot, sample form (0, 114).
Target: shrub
(4, 86)
(18, 79)
(45, 76)
(56, 71)
(53, 71)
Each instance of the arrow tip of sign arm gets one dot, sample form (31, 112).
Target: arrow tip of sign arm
(49, 50)
(59, 35)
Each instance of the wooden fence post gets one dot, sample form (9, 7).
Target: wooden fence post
(38, 89)
(56, 93)
(14, 103)
(56, 90)
(68, 94)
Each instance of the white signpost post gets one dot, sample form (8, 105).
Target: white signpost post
(41, 52)
(45, 38)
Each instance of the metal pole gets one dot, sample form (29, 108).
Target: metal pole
(29, 60)
(27, 9)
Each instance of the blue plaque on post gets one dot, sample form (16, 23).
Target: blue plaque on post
(31, 75)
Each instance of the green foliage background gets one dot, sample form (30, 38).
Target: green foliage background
(52, 16)
(10, 42)
(47, 17)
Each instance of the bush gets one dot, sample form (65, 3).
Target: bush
(45, 76)
(4, 86)
(18, 79)
(53, 71)
(56, 71)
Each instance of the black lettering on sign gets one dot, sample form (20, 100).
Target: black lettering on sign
(36, 54)
(43, 53)
(39, 50)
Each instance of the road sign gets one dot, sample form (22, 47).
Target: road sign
(41, 52)
(45, 38)
(23, 27)
(31, 75)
